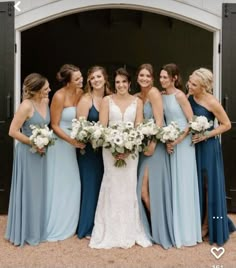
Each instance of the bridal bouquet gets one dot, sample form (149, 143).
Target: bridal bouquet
(80, 130)
(122, 138)
(169, 133)
(149, 130)
(41, 138)
(199, 125)
(96, 131)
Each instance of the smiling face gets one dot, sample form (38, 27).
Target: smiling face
(122, 84)
(45, 90)
(194, 85)
(97, 80)
(76, 79)
(145, 79)
(165, 80)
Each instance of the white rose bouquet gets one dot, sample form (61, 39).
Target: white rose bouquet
(122, 139)
(169, 133)
(96, 131)
(41, 138)
(199, 125)
(80, 130)
(149, 130)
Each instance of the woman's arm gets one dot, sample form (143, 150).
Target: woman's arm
(56, 109)
(221, 116)
(186, 108)
(155, 99)
(223, 120)
(104, 111)
(84, 106)
(139, 112)
(24, 112)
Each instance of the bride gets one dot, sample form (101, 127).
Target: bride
(117, 221)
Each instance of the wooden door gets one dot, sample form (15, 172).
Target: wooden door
(6, 99)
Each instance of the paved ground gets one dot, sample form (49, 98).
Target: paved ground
(75, 253)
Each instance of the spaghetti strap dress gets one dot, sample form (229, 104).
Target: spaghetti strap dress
(91, 172)
(26, 214)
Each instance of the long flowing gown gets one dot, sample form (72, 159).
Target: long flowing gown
(185, 196)
(63, 185)
(211, 177)
(26, 214)
(117, 219)
(159, 225)
(91, 179)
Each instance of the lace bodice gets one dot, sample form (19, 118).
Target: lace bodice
(116, 115)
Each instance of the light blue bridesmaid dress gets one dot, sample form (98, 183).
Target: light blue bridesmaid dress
(63, 185)
(26, 214)
(185, 196)
(159, 222)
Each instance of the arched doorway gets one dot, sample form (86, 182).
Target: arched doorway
(114, 38)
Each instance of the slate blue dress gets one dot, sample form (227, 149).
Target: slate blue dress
(26, 214)
(63, 185)
(211, 175)
(185, 195)
(91, 173)
(159, 225)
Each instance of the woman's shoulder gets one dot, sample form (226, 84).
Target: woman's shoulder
(59, 95)
(154, 92)
(212, 102)
(26, 106)
(86, 97)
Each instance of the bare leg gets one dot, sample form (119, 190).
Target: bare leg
(145, 190)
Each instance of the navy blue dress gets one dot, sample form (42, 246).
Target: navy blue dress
(91, 173)
(211, 177)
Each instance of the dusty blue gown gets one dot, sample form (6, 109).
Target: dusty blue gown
(26, 214)
(63, 185)
(211, 176)
(91, 172)
(159, 225)
(185, 195)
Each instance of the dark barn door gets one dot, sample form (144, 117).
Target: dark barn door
(229, 99)
(7, 34)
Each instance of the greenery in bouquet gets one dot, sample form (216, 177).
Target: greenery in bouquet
(122, 139)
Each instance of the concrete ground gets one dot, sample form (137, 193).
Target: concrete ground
(75, 253)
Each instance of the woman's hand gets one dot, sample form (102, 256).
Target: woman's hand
(77, 144)
(121, 156)
(198, 138)
(170, 147)
(150, 148)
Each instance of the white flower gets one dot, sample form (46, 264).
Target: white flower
(199, 124)
(170, 132)
(41, 137)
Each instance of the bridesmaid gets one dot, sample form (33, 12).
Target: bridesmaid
(26, 215)
(185, 196)
(63, 185)
(210, 166)
(91, 163)
(154, 182)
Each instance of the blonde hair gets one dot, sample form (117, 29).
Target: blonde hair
(205, 79)
(32, 84)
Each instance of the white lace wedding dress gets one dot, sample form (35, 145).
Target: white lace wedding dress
(117, 221)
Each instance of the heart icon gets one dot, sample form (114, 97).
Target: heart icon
(217, 252)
